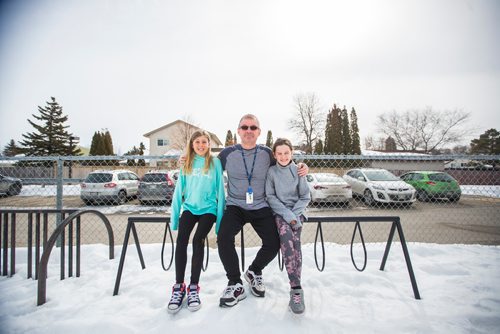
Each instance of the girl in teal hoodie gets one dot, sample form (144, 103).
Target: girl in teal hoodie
(198, 198)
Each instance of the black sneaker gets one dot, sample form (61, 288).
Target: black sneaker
(193, 297)
(178, 293)
(256, 283)
(232, 295)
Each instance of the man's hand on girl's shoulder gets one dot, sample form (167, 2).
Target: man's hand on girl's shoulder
(181, 161)
(303, 169)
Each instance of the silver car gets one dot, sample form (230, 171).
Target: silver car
(328, 187)
(10, 186)
(376, 185)
(109, 187)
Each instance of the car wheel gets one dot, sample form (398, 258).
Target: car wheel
(14, 189)
(122, 197)
(422, 196)
(454, 199)
(368, 197)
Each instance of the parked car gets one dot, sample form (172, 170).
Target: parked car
(109, 186)
(379, 186)
(156, 186)
(433, 185)
(10, 186)
(328, 187)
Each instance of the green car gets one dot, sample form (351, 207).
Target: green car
(433, 185)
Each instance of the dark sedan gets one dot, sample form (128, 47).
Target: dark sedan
(156, 187)
(10, 186)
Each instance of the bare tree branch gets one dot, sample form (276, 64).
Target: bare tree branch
(425, 130)
(183, 133)
(308, 120)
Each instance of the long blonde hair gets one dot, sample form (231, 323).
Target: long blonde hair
(190, 153)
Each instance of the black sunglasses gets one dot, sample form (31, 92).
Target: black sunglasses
(251, 127)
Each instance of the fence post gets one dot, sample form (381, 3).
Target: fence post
(59, 195)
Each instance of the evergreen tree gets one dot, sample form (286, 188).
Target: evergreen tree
(269, 139)
(390, 144)
(333, 134)
(142, 148)
(108, 143)
(346, 132)
(50, 138)
(136, 151)
(328, 134)
(487, 143)
(356, 143)
(235, 140)
(133, 151)
(97, 147)
(11, 149)
(318, 148)
(229, 139)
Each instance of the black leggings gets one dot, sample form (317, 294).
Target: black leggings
(262, 221)
(186, 225)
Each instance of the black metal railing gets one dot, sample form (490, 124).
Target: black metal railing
(38, 221)
(396, 226)
(59, 232)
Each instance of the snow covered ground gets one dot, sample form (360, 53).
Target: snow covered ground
(458, 284)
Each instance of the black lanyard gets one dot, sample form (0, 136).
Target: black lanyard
(249, 176)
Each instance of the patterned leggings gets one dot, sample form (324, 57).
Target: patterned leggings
(290, 249)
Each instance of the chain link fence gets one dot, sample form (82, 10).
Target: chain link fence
(443, 199)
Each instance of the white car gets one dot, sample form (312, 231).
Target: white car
(328, 187)
(109, 186)
(379, 186)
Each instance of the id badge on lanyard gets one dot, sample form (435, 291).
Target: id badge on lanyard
(249, 195)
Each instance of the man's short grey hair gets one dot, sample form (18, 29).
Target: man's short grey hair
(249, 116)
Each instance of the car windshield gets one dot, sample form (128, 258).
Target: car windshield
(380, 175)
(440, 177)
(156, 177)
(99, 178)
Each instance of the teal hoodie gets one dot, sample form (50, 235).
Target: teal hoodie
(199, 193)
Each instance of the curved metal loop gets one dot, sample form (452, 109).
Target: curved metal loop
(319, 231)
(242, 251)
(204, 267)
(281, 261)
(358, 227)
(44, 260)
(167, 227)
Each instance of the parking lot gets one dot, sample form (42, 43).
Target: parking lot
(472, 220)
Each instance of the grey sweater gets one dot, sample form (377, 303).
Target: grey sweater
(287, 194)
(237, 184)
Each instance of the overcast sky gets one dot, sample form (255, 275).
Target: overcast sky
(132, 66)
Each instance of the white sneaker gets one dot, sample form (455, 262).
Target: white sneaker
(178, 293)
(193, 297)
(256, 283)
(232, 295)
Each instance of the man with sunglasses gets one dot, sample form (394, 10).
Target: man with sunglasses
(246, 165)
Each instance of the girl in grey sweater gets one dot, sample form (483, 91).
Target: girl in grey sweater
(288, 196)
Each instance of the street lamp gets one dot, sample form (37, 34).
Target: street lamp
(71, 139)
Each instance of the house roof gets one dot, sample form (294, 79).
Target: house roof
(213, 135)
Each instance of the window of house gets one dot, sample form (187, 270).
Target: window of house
(162, 142)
